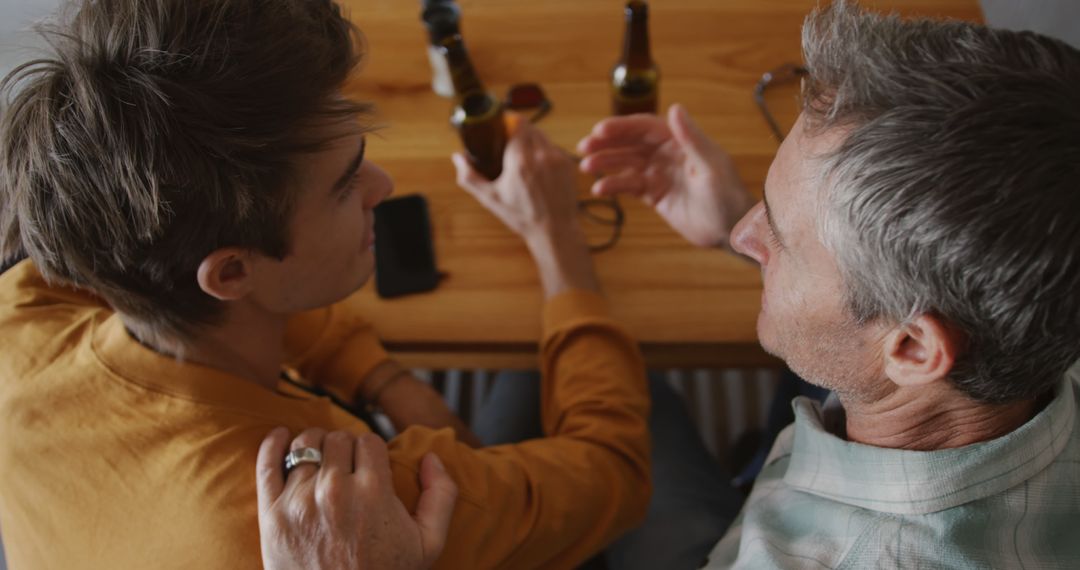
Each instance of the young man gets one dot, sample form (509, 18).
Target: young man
(191, 190)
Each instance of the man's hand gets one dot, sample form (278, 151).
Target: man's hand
(344, 515)
(674, 167)
(535, 197)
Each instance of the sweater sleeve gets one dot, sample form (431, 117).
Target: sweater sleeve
(555, 501)
(335, 348)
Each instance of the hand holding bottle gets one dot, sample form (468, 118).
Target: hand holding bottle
(535, 197)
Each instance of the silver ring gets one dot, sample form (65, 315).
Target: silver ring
(302, 455)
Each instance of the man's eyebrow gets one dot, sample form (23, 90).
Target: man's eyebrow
(354, 165)
(769, 218)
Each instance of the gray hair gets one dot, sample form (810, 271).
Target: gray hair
(956, 191)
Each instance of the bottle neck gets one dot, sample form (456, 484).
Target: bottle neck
(462, 72)
(636, 53)
(441, 18)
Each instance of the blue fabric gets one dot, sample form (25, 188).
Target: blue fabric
(781, 415)
(693, 502)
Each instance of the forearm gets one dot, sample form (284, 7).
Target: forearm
(593, 375)
(563, 261)
(408, 401)
(587, 370)
(556, 500)
(595, 404)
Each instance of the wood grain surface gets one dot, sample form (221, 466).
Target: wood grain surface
(689, 307)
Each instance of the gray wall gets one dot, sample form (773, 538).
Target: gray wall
(16, 16)
(1058, 18)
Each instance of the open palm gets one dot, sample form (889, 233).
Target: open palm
(673, 167)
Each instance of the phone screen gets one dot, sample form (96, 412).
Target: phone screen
(404, 255)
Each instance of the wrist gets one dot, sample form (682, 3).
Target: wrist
(380, 379)
(562, 260)
(555, 238)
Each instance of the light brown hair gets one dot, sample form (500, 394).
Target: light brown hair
(160, 130)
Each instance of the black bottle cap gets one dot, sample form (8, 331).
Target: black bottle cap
(441, 17)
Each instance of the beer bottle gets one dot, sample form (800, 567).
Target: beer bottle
(635, 81)
(441, 18)
(477, 115)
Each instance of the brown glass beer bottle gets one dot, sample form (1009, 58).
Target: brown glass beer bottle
(477, 115)
(635, 81)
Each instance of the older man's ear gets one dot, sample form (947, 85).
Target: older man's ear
(921, 351)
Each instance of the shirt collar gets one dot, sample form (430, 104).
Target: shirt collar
(129, 360)
(919, 482)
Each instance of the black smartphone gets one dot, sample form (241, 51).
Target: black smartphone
(404, 254)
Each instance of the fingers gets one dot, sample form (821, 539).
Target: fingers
(311, 437)
(688, 133)
(625, 183)
(435, 507)
(513, 122)
(372, 462)
(269, 478)
(632, 130)
(616, 160)
(546, 150)
(523, 143)
(467, 176)
(337, 454)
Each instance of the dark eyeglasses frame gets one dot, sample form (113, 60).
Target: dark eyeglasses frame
(523, 97)
(528, 96)
(781, 75)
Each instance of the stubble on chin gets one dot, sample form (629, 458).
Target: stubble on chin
(839, 357)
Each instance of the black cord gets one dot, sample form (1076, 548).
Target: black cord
(358, 412)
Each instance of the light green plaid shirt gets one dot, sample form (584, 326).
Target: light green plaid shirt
(822, 502)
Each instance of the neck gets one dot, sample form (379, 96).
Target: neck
(928, 418)
(636, 52)
(249, 344)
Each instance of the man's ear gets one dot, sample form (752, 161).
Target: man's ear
(226, 274)
(921, 351)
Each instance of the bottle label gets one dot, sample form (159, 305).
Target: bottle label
(634, 84)
(442, 83)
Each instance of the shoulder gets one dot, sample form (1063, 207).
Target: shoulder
(26, 296)
(40, 322)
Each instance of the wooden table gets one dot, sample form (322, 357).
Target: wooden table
(689, 307)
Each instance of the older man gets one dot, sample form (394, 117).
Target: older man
(920, 252)
(920, 249)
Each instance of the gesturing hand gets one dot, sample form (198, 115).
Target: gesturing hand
(671, 165)
(343, 514)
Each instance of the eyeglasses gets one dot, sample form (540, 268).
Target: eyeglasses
(603, 214)
(528, 96)
(786, 73)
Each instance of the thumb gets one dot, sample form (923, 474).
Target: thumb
(467, 176)
(688, 133)
(435, 507)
